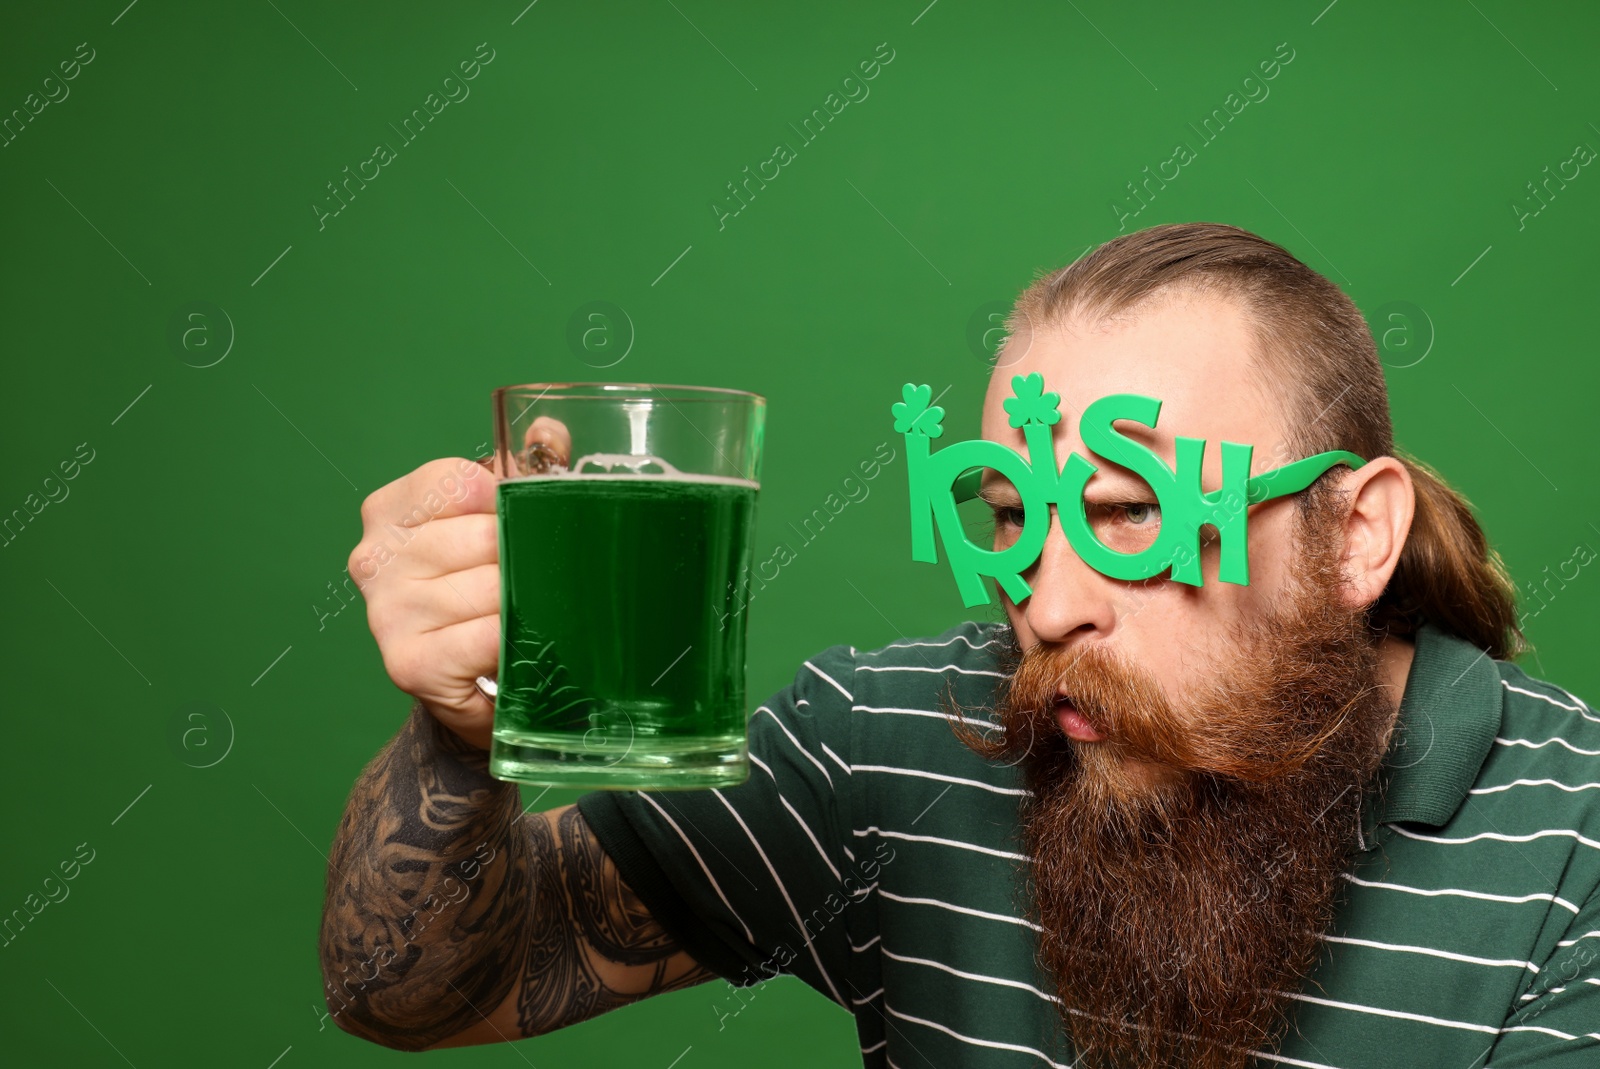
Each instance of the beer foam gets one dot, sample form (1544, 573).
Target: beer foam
(649, 476)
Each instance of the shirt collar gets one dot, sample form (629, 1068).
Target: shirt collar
(1449, 715)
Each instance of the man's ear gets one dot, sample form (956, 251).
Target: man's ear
(1382, 502)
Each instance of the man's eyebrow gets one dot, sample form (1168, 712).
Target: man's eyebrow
(996, 489)
(1000, 496)
(1115, 482)
(1109, 477)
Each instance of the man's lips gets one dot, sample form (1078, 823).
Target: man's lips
(1073, 724)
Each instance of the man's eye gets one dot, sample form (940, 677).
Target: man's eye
(1008, 515)
(1141, 513)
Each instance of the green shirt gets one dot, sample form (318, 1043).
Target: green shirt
(876, 858)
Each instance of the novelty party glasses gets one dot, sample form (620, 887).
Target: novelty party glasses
(939, 481)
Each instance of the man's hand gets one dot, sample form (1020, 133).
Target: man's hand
(428, 564)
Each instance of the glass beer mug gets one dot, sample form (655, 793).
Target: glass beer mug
(626, 515)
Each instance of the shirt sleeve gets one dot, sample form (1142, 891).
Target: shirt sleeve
(1559, 1028)
(750, 879)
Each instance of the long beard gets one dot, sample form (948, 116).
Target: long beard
(1178, 910)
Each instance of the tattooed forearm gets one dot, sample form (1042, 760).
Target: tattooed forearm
(592, 945)
(427, 897)
(451, 917)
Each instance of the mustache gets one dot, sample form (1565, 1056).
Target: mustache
(1218, 730)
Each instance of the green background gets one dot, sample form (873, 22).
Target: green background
(189, 567)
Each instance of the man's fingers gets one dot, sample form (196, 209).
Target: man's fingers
(441, 665)
(468, 595)
(553, 434)
(471, 648)
(443, 547)
(440, 548)
(452, 486)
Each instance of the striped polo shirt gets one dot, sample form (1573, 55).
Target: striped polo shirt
(878, 859)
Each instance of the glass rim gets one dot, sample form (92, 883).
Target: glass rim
(603, 391)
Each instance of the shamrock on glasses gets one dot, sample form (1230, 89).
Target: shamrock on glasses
(915, 415)
(1032, 404)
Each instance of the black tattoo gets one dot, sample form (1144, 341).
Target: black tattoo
(443, 897)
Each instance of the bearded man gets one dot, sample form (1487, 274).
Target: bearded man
(1318, 819)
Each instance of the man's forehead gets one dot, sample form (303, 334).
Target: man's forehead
(1197, 356)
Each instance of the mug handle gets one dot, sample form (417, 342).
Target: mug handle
(536, 457)
(486, 684)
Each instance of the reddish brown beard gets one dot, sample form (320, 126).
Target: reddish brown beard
(1178, 912)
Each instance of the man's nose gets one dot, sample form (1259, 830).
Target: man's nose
(1070, 600)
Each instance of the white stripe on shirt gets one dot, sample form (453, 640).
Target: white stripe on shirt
(873, 829)
(715, 886)
(1549, 1031)
(1023, 921)
(948, 642)
(915, 668)
(836, 760)
(1378, 1011)
(1291, 1061)
(992, 1043)
(799, 924)
(1581, 709)
(1459, 893)
(1497, 788)
(1496, 836)
(1585, 935)
(940, 777)
(1431, 952)
(823, 675)
(798, 819)
(979, 977)
(974, 721)
(797, 746)
(1558, 741)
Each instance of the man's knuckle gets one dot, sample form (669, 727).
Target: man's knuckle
(372, 507)
(488, 537)
(404, 664)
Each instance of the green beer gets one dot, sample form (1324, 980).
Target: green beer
(623, 662)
